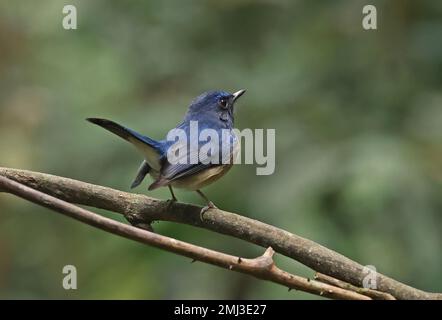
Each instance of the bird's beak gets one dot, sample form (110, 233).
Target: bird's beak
(238, 94)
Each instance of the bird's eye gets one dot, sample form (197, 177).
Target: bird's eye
(223, 102)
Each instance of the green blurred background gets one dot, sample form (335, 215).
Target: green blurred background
(358, 119)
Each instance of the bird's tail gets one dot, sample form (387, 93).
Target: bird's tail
(151, 149)
(143, 170)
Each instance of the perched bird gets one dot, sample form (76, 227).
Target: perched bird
(211, 110)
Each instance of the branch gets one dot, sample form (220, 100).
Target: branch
(142, 210)
(261, 267)
(374, 294)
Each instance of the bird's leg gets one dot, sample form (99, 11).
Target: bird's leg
(210, 204)
(173, 194)
(174, 199)
(170, 202)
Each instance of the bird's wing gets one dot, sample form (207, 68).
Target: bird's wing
(150, 148)
(176, 170)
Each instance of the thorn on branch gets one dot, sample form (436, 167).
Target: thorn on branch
(269, 253)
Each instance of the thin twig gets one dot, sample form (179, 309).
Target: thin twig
(262, 267)
(141, 209)
(374, 294)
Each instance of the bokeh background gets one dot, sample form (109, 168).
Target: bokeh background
(358, 119)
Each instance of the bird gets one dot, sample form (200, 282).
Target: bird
(211, 110)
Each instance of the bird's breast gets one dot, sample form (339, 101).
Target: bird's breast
(201, 179)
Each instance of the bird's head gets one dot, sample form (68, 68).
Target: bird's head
(214, 105)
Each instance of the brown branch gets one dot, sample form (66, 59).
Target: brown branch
(141, 209)
(262, 267)
(374, 294)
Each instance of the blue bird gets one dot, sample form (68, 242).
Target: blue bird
(211, 110)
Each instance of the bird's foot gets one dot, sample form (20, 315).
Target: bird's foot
(171, 201)
(209, 206)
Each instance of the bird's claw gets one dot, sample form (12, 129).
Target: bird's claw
(210, 205)
(171, 201)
